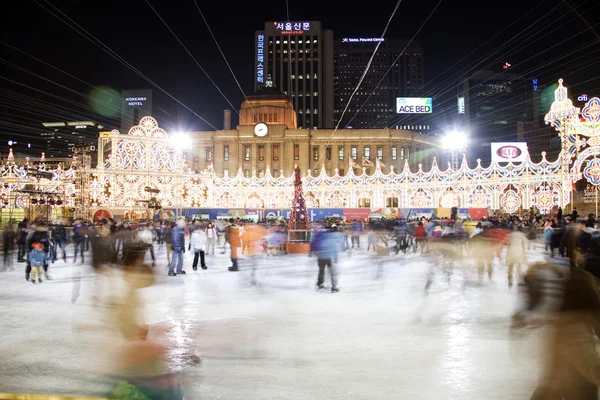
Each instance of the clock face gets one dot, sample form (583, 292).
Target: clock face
(260, 129)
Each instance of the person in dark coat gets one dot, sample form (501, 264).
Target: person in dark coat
(8, 240)
(178, 243)
(22, 239)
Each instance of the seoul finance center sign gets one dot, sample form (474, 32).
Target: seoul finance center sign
(413, 105)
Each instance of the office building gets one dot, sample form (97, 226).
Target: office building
(59, 138)
(138, 103)
(298, 58)
(374, 104)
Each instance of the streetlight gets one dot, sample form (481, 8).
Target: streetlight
(180, 141)
(455, 141)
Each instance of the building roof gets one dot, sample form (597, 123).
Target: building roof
(268, 93)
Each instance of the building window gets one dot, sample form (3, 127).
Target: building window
(275, 173)
(402, 153)
(354, 152)
(315, 172)
(275, 152)
(261, 173)
(341, 172)
(261, 152)
(246, 152)
(394, 153)
(341, 152)
(226, 152)
(296, 152)
(328, 153)
(209, 154)
(225, 172)
(364, 202)
(367, 152)
(380, 153)
(255, 118)
(270, 117)
(391, 202)
(328, 171)
(247, 173)
(316, 153)
(408, 153)
(275, 117)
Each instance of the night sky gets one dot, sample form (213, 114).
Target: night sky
(460, 37)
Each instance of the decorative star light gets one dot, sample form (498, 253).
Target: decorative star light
(510, 201)
(592, 172)
(591, 111)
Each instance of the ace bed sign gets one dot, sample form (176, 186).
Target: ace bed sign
(511, 151)
(413, 105)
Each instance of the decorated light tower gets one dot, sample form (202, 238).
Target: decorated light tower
(580, 138)
(298, 213)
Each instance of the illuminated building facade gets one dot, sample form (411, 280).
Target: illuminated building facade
(374, 104)
(283, 144)
(298, 56)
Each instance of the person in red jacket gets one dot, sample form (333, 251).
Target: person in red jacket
(420, 236)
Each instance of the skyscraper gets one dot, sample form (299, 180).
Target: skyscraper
(298, 57)
(373, 105)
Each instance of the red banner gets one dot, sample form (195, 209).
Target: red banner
(478, 213)
(358, 214)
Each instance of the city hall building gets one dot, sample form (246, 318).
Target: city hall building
(268, 136)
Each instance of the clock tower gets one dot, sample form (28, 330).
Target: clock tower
(268, 106)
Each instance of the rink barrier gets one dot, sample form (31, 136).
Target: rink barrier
(21, 396)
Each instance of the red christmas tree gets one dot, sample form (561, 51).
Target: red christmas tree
(298, 213)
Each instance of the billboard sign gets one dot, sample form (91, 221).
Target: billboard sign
(413, 105)
(292, 28)
(260, 59)
(509, 152)
(461, 105)
(362, 40)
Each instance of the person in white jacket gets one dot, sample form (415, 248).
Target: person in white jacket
(516, 253)
(198, 245)
(147, 238)
(211, 237)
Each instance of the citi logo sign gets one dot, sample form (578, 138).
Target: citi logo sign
(509, 152)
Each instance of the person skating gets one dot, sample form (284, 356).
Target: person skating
(78, 234)
(178, 243)
(327, 246)
(515, 253)
(197, 245)
(41, 236)
(8, 240)
(235, 242)
(37, 259)
(211, 238)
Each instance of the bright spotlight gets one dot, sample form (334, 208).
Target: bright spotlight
(454, 141)
(180, 140)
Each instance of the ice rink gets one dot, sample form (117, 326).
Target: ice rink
(279, 339)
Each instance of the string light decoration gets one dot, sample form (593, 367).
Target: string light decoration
(579, 132)
(144, 158)
(19, 185)
(298, 213)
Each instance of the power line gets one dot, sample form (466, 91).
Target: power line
(224, 58)
(191, 55)
(113, 54)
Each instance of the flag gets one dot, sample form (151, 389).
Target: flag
(366, 163)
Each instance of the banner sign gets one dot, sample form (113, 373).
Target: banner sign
(509, 152)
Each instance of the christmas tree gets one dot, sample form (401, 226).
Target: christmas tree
(298, 213)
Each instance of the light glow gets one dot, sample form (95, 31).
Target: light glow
(455, 140)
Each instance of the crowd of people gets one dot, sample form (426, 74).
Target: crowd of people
(480, 245)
